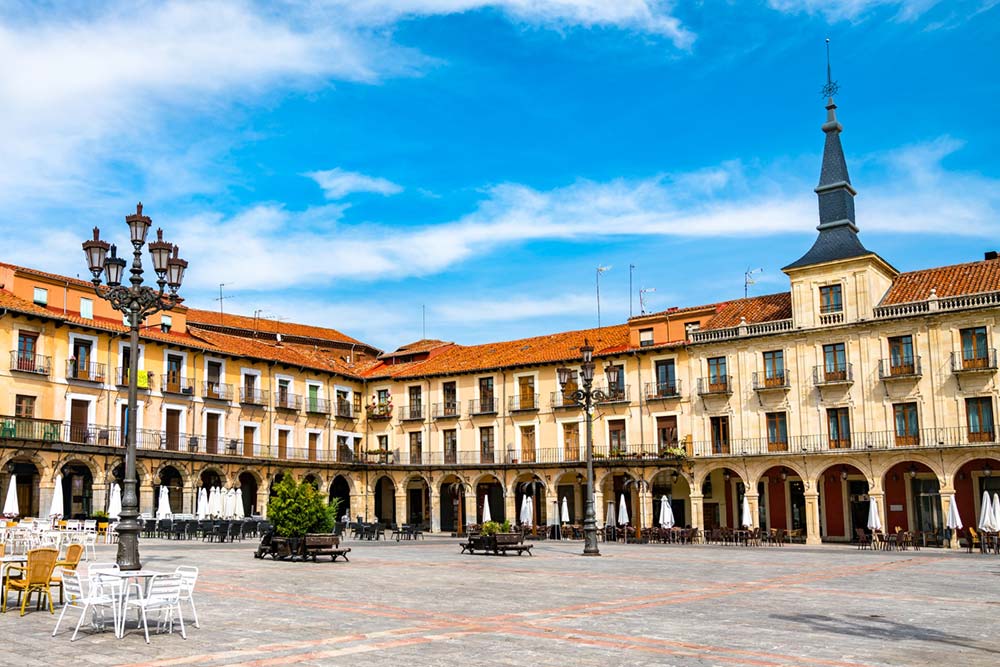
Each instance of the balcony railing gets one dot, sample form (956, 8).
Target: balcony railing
(250, 396)
(344, 410)
(285, 401)
(30, 363)
(483, 406)
(175, 384)
(381, 412)
(217, 391)
(906, 368)
(615, 394)
(824, 375)
(411, 413)
(660, 391)
(769, 380)
(559, 401)
(980, 362)
(85, 372)
(144, 379)
(718, 385)
(522, 402)
(319, 406)
(447, 410)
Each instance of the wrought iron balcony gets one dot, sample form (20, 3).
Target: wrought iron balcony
(30, 363)
(250, 396)
(905, 368)
(522, 402)
(144, 379)
(617, 394)
(719, 385)
(318, 406)
(983, 361)
(770, 381)
(379, 412)
(286, 401)
(85, 372)
(483, 406)
(447, 410)
(412, 412)
(834, 374)
(176, 384)
(560, 401)
(661, 391)
(217, 391)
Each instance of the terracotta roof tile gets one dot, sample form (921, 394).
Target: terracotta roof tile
(214, 319)
(954, 280)
(307, 356)
(766, 308)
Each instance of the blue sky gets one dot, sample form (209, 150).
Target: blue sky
(345, 162)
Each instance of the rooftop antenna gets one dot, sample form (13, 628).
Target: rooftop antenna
(831, 88)
(631, 270)
(748, 280)
(600, 270)
(222, 298)
(642, 300)
(423, 321)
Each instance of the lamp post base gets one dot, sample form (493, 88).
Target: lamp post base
(128, 545)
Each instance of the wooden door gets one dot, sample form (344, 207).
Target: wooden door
(173, 430)
(313, 443)
(527, 393)
(282, 444)
(571, 441)
(248, 433)
(78, 414)
(212, 433)
(528, 444)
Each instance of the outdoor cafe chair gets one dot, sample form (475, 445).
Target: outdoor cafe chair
(36, 575)
(95, 597)
(69, 563)
(163, 595)
(189, 577)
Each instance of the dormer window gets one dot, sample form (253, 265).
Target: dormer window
(831, 299)
(165, 323)
(645, 337)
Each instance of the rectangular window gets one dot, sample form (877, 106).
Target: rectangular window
(416, 446)
(974, 351)
(830, 299)
(80, 366)
(449, 392)
(41, 296)
(357, 402)
(720, 435)
(838, 422)
(527, 444)
(645, 337)
(416, 396)
(901, 355)
(250, 387)
(486, 395)
(979, 412)
(312, 397)
(774, 368)
(27, 351)
(616, 392)
(616, 436)
(777, 432)
(344, 453)
(666, 378)
(165, 323)
(382, 397)
(343, 404)
(87, 309)
(526, 392)
(283, 443)
(284, 388)
(718, 380)
(905, 420)
(566, 398)
(486, 444)
(313, 452)
(835, 362)
(173, 381)
(666, 431)
(24, 406)
(571, 441)
(450, 446)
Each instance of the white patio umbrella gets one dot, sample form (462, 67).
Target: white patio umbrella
(874, 520)
(239, 514)
(487, 516)
(231, 503)
(666, 513)
(985, 513)
(623, 511)
(996, 511)
(202, 509)
(224, 503)
(115, 503)
(56, 506)
(610, 517)
(527, 511)
(747, 517)
(10, 504)
(216, 505)
(565, 511)
(163, 509)
(954, 520)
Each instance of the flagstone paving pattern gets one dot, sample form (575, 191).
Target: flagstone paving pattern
(424, 604)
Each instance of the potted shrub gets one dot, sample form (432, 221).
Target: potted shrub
(297, 509)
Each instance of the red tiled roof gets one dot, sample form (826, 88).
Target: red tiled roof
(954, 280)
(424, 345)
(214, 319)
(51, 276)
(766, 308)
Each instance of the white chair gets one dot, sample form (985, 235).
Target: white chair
(96, 597)
(73, 524)
(189, 576)
(90, 525)
(163, 595)
(89, 545)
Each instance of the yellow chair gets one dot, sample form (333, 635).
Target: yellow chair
(36, 574)
(74, 553)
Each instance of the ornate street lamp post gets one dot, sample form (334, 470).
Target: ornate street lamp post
(586, 397)
(137, 302)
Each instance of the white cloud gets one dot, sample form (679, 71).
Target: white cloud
(337, 183)
(851, 10)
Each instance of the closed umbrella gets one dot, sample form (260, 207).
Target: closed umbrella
(565, 510)
(56, 507)
(623, 511)
(202, 509)
(529, 515)
(874, 521)
(240, 513)
(996, 511)
(487, 516)
(115, 504)
(954, 520)
(231, 504)
(985, 513)
(666, 513)
(747, 519)
(610, 518)
(163, 509)
(10, 504)
(218, 508)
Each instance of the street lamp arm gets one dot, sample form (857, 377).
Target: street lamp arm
(142, 301)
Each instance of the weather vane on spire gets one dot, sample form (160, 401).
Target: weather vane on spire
(831, 88)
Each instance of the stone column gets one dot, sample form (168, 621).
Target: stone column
(401, 515)
(146, 495)
(509, 507)
(435, 510)
(263, 495)
(947, 495)
(45, 491)
(100, 497)
(578, 493)
(468, 509)
(812, 518)
(598, 508)
(697, 512)
(754, 501)
(187, 503)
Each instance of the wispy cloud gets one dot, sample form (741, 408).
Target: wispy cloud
(854, 10)
(337, 183)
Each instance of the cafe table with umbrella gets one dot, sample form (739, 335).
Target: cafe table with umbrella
(56, 506)
(10, 504)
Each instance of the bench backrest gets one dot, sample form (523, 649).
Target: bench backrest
(322, 541)
(508, 538)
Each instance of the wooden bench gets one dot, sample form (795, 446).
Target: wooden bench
(504, 542)
(476, 543)
(323, 545)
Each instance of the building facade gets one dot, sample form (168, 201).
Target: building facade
(858, 382)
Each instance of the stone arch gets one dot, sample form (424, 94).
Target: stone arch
(212, 467)
(860, 464)
(960, 460)
(317, 476)
(141, 473)
(702, 472)
(251, 471)
(182, 469)
(85, 460)
(885, 464)
(486, 478)
(45, 471)
(907, 488)
(489, 485)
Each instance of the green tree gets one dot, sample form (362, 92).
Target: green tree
(297, 509)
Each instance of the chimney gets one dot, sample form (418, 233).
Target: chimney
(990, 254)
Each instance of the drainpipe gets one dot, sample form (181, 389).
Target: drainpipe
(503, 421)
(642, 431)
(107, 408)
(270, 412)
(65, 296)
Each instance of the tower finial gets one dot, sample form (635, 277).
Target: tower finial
(831, 88)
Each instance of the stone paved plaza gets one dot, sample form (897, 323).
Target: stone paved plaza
(424, 604)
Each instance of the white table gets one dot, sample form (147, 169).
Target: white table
(5, 564)
(126, 577)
